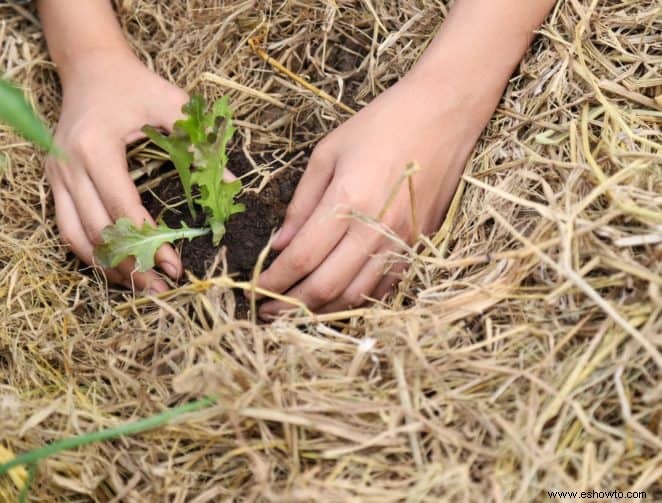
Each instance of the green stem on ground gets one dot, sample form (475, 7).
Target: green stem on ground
(23, 497)
(32, 457)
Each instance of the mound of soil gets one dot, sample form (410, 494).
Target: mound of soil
(246, 234)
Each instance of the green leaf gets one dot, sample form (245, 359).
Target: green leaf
(217, 197)
(222, 112)
(16, 112)
(200, 141)
(124, 239)
(194, 125)
(177, 149)
(210, 158)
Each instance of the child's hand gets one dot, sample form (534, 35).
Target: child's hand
(107, 100)
(432, 116)
(330, 260)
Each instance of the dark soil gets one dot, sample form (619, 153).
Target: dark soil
(246, 234)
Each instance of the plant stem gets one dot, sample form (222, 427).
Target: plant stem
(23, 497)
(30, 457)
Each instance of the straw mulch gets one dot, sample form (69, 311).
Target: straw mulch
(520, 354)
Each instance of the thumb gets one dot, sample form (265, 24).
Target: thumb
(306, 197)
(169, 109)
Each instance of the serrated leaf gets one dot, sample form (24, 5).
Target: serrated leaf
(194, 124)
(16, 112)
(217, 197)
(210, 159)
(226, 130)
(200, 140)
(177, 148)
(124, 239)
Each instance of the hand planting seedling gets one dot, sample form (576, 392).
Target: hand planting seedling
(197, 148)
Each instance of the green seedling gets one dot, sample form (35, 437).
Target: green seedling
(176, 145)
(199, 141)
(197, 147)
(124, 239)
(209, 134)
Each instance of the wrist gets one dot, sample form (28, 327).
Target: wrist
(467, 99)
(96, 63)
(81, 35)
(478, 47)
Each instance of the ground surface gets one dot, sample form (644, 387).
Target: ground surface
(247, 233)
(520, 354)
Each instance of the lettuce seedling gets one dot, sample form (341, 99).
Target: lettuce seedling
(210, 134)
(199, 141)
(179, 145)
(176, 145)
(125, 239)
(197, 147)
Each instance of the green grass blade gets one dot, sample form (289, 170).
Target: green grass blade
(149, 423)
(23, 497)
(16, 112)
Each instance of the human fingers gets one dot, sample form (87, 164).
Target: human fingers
(148, 281)
(307, 195)
(94, 219)
(334, 275)
(120, 198)
(72, 232)
(315, 240)
(374, 275)
(90, 211)
(390, 279)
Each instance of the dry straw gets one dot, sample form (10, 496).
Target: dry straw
(520, 354)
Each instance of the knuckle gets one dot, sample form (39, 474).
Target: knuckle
(399, 222)
(300, 262)
(82, 137)
(175, 99)
(82, 142)
(322, 154)
(349, 197)
(326, 292)
(58, 173)
(352, 297)
(180, 98)
(93, 234)
(54, 167)
(124, 206)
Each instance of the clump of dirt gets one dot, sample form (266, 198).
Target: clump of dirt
(246, 234)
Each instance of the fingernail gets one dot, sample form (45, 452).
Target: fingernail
(156, 287)
(252, 293)
(277, 234)
(157, 290)
(170, 269)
